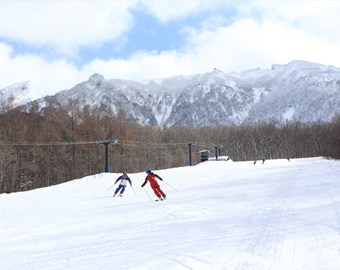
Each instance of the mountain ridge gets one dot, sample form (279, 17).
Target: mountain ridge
(299, 90)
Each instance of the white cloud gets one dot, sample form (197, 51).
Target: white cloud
(166, 11)
(46, 77)
(320, 18)
(248, 43)
(64, 26)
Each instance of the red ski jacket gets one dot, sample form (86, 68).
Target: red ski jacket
(152, 179)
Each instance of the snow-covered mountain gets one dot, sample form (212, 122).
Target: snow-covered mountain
(296, 91)
(18, 93)
(299, 90)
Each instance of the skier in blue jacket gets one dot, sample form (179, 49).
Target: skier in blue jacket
(123, 181)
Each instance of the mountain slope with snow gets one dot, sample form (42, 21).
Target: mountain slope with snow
(20, 93)
(299, 90)
(224, 215)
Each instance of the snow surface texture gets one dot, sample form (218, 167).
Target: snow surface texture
(224, 215)
(299, 90)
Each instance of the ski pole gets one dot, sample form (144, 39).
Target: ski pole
(111, 186)
(169, 185)
(133, 190)
(147, 194)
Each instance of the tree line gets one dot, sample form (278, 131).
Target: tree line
(43, 148)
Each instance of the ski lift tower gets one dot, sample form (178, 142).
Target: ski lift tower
(190, 144)
(107, 143)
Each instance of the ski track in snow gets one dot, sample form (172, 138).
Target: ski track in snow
(225, 216)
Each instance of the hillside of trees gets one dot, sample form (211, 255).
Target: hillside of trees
(42, 149)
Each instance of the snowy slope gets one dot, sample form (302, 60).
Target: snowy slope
(224, 215)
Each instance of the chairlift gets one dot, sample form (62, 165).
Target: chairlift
(83, 154)
(122, 152)
(144, 154)
(68, 153)
(68, 157)
(52, 156)
(161, 152)
(128, 154)
(98, 153)
(174, 150)
(30, 157)
(14, 158)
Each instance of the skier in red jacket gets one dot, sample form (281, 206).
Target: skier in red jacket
(154, 185)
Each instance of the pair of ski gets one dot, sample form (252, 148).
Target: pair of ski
(158, 200)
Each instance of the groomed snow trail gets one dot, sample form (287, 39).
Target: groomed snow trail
(225, 215)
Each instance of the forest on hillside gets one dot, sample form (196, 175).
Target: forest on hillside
(39, 149)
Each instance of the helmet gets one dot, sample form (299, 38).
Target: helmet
(124, 172)
(148, 170)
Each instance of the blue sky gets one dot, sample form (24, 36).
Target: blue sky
(148, 34)
(57, 44)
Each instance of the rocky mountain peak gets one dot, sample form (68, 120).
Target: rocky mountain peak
(96, 79)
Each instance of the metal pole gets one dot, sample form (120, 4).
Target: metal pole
(190, 154)
(107, 168)
(190, 144)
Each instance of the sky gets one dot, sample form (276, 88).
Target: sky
(57, 44)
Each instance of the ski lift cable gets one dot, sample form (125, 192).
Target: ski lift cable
(151, 145)
(5, 143)
(154, 143)
(122, 143)
(143, 146)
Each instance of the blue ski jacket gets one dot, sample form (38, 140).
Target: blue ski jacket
(124, 180)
